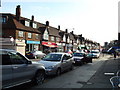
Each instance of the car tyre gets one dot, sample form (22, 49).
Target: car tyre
(58, 72)
(39, 78)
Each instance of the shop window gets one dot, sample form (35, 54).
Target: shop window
(20, 33)
(52, 38)
(29, 35)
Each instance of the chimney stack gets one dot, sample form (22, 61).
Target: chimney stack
(32, 17)
(72, 32)
(18, 12)
(58, 27)
(47, 23)
(66, 30)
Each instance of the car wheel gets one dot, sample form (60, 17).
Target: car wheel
(39, 78)
(58, 72)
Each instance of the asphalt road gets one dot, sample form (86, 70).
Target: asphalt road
(89, 75)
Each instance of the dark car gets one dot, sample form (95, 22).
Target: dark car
(17, 69)
(35, 54)
(77, 57)
(81, 58)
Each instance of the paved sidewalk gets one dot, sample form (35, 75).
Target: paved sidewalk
(99, 79)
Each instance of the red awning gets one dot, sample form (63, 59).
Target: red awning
(49, 44)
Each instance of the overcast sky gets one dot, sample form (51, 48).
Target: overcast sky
(96, 20)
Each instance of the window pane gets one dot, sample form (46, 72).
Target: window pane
(20, 34)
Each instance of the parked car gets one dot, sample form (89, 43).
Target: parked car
(17, 69)
(77, 57)
(35, 54)
(56, 63)
(95, 53)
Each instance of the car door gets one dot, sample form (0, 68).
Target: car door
(22, 71)
(65, 62)
(6, 69)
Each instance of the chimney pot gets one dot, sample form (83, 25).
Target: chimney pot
(47, 23)
(32, 18)
(66, 30)
(58, 27)
(18, 12)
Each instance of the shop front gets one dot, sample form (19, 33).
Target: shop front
(32, 45)
(49, 47)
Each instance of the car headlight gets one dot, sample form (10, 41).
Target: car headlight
(50, 67)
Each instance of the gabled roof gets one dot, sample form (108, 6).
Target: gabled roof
(71, 36)
(15, 24)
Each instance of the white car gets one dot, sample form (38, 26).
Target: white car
(95, 53)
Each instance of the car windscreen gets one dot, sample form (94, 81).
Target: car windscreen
(78, 54)
(94, 52)
(52, 57)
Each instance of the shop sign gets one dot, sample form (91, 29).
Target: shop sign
(32, 42)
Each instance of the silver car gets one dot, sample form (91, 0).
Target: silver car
(17, 69)
(56, 63)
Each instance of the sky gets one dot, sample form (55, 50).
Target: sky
(96, 20)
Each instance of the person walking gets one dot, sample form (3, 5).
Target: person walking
(115, 54)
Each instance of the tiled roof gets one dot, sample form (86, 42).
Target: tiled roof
(71, 36)
(14, 24)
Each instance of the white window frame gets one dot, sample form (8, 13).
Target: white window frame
(52, 38)
(64, 39)
(37, 36)
(27, 23)
(29, 35)
(57, 39)
(45, 35)
(20, 33)
(34, 25)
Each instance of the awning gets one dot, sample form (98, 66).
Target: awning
(49, 44)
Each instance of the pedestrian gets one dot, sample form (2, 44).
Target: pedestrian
(114, 53)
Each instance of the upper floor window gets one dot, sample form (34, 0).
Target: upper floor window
(34, 25)
(57, 39)
(27, 23)
(45, 35)
(4, 19)
(68, 40)
(20, 33)
(77, 41)
(29, 35)
(64, 39)
(52, 38)
(37, 36)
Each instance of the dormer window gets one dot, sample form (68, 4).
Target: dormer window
(4, 19)
(45, 35)
(34, 25)
(27, 23)
(64, 39)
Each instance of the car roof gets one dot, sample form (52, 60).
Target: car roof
(58, 53)
(7, 50)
